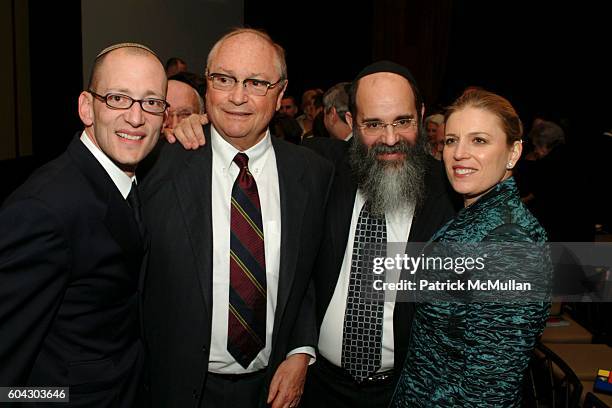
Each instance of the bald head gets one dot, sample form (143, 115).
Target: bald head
(180, 95)
(249, 34)
(184, 101)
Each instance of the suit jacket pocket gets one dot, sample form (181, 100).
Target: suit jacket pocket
(91, 376)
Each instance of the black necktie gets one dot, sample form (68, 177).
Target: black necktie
(133, 200)
(363, 319)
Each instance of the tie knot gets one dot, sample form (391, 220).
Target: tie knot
(133, 198)
(242, 160)
(366, 211)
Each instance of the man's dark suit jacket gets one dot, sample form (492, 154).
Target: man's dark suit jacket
(70, 257)
(436, 209)
(178, 285)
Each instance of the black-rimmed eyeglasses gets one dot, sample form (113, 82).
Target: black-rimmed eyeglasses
(121, 101)
(252, 86)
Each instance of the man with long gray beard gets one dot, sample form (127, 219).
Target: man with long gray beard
(387, 189)
(385, 182)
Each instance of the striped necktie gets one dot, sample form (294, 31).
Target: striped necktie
(247, 294)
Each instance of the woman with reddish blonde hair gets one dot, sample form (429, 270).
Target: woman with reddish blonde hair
(471, 349)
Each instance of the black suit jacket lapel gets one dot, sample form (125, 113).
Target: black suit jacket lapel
(419, 222)
(195, 180)
(118, 218)
(430, 216)
(437, 206)
(293, 202)
(341, 203)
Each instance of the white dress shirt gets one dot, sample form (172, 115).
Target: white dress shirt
(330, 339)
(262, 165)
(121, 180)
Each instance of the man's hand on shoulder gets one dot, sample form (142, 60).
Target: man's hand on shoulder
(189, 132)
(287, 384)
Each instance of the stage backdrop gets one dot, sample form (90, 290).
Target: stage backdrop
(185, 29)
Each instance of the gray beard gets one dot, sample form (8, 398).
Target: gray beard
(389, 186)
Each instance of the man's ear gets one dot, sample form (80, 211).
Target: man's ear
(86, 112)
(334, 117)
(280, 95)
(423, 111)
(348, 116)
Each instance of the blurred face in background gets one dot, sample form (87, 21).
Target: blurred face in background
(288, 107)
(183, 100)
(431, 128)
(436, 142)
(312, 111)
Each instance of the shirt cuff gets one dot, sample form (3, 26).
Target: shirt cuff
(305, 350)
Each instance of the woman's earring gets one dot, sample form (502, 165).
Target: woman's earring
(509, 165)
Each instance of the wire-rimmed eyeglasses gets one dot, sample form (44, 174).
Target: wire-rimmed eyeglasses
(252, 86)
(377, 127)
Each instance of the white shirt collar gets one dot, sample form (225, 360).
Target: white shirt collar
(121, 180)
(224, 152)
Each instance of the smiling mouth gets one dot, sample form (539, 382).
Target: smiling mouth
(238, 113)
(463, 171)
(128, 137)
(390, 155)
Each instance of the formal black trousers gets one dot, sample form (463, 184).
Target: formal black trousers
(226, 392)
(328, 386)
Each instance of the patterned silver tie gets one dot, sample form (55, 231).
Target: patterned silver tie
(363, 320)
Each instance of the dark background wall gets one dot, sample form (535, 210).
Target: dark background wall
(63, 34)
(549, 59)
(55, 83)
(171, 28)
(326, 42)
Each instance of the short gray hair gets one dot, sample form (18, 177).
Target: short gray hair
(337, 97)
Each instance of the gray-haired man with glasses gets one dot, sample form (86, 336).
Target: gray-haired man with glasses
(229, 307)
(72, 243)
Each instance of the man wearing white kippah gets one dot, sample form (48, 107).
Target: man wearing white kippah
(72, 243)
